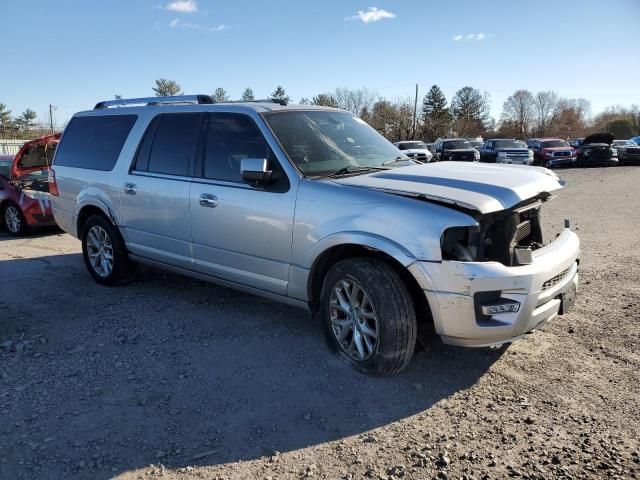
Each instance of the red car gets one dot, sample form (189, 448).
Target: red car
(24, 186)
(553, 152)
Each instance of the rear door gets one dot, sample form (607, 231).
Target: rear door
(155, 203)
(241, 233)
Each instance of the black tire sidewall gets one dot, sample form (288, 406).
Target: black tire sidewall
(389, 296)
(120, 258)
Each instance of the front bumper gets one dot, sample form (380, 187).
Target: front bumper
(451, 288)
(515, 161)
(559, 161)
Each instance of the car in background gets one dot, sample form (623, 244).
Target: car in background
(597, 150)
(628, 152)
(24, 187)
(636, 140)
(456, 150)
(576, 143)
(415, 150)
(505, 150)
(553, 152)
(5, 165)
(475, 143)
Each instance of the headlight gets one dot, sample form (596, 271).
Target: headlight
(502, 154)
(476, 155)
(530, 154)
(548, 154)
(460, 243)
(614, 152)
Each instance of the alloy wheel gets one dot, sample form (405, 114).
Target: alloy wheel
(100, 251)
(12, 219)
(354, 322)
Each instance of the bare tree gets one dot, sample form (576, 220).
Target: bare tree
(355, 101)
(517, 110)
(545, 107)
(166, 88)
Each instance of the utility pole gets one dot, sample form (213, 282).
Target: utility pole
(415, 112)
(51, 117)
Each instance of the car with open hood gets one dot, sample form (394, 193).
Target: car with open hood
(415, 150)
(456, 150)
(597, 150)
(311, 206)
(506, 150)
(24, 186)
(628, 152)
(553, 152)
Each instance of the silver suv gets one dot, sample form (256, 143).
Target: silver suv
(311, 206)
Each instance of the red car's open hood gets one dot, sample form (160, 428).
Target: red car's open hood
(35, 155)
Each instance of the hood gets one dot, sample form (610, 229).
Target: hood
(459, 150)
(35, 155)
(482, 187)
(417, 150)
(606, 138)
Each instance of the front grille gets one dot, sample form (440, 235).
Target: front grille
(633, 151)
(561, 154)
(554, 280)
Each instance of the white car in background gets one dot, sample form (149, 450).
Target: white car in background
(416, 150)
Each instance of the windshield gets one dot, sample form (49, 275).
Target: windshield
(509, 144)
(321, 142)
(411, 145)
(554, 144)
(623, 142)
(455, 144)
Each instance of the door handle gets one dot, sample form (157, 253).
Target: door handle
(130, 189)
(208, 200)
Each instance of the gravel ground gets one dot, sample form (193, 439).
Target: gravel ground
(168, 377)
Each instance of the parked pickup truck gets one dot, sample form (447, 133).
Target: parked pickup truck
(415, 150)
(456, 150)
(24, 187)
(553, 152)
(628, 152)
(504, 150)
(311, 206)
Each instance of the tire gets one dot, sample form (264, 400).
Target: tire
(14, 220)
(101, 240)
(382, 305)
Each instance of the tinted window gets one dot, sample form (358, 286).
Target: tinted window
(173, 143)
(94, 142)
(231, 138)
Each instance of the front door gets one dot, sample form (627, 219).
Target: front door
(241, 233)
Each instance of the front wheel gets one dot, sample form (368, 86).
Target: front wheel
(104, 252)
(369, 316)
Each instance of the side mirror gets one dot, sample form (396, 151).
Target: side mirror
(255, 170)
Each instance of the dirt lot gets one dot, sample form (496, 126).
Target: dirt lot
(168, 377)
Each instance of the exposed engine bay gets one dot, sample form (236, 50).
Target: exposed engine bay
(508, 236)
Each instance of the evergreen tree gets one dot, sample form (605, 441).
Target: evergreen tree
(220, 95)
(166, 88)
(247, 95)
(280, 95)
(436, 117)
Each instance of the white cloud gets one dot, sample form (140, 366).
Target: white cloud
(472, 36)
(373, 14)
(177, 23)
(182, 6)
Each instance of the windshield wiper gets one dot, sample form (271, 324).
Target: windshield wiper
(397, 159)
(355, 169)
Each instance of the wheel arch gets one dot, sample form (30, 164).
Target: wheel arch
(89, 209)
(399, 263)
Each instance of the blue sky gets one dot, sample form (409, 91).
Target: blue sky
(72, 53)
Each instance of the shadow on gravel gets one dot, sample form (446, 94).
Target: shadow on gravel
(38, 233)
(167, 370)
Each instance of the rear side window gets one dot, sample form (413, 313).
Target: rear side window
(94, 142)
(169, 144)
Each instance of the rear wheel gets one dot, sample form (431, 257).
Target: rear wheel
(105, 254)
(14, 220)
(368, 315)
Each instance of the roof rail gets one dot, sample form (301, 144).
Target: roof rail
(154, 101)
(279, 101)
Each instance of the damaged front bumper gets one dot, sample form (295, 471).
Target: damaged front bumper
(457, 291)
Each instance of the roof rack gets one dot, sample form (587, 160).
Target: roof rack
(183, 99)
(279, 101)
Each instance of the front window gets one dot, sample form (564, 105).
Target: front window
(456, 144)
(510, 144)
(412, 146)
(321, 142)
(554, 144)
